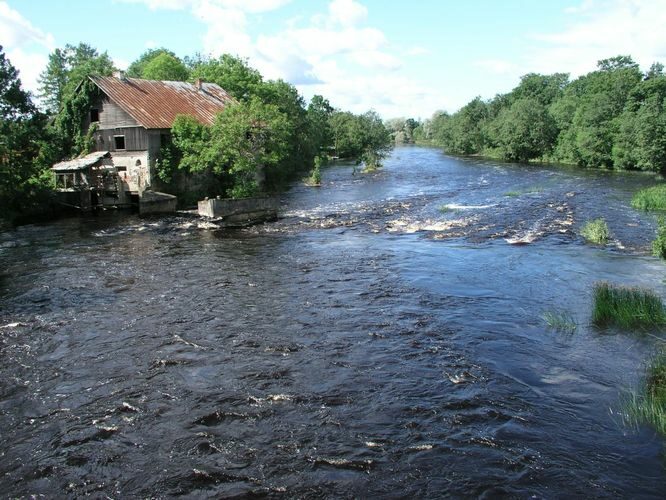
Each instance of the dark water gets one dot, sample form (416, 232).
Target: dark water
(370, 343)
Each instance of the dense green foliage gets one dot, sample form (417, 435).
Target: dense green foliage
(231, 73)
(614, 117)
(165, 67)
(596, 231)
(626, 307)
(652, 198)
(22, 180)
(137, 68)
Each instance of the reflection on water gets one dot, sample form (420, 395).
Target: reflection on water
(383, 338)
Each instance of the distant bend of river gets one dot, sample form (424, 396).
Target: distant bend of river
(384, 338)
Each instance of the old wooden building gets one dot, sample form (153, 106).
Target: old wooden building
(132, 119)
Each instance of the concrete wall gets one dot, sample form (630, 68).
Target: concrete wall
(153, 202)
(242, 211)
(137, 175)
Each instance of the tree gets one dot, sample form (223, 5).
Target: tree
(66, 69)
(21, 126)
(318, 115)
(641, 139)
(525, 130)
(165, 67)
(250, 140)
(137, 68)
(231, 73)
(364, 137)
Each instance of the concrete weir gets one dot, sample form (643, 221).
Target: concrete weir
(154, 202)
(240, 212)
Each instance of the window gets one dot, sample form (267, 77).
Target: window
(94, 115)
(121, 169)
(119, 141)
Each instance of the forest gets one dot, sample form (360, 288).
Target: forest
(294, 136)
(613, 117)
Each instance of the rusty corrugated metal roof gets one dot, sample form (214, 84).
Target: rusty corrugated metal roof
(80, 163)
(155, 104)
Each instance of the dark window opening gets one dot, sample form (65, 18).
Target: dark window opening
(121, 169)
(94, 115)
(119, 141)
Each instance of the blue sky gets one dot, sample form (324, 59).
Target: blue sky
(399, 58)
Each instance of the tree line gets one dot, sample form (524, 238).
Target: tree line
(260, 143)
(613, 117)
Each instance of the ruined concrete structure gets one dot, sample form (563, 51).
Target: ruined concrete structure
(132, 119)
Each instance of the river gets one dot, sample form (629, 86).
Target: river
(383, 338)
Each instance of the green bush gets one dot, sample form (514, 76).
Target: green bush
(596, 231)
(653, 198)
(626, 307)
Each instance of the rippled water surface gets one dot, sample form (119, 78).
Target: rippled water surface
(384, 338)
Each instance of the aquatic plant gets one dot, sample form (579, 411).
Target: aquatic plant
(529, 190)
(562, 321)
(652, 198)
(596, 231)
(649, 405)
(626, 307)
(659, 243)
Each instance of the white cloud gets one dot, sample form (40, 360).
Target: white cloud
(29, 64)
(334, 53)
(25, 45)
(600, 29)
(18, 31)
(347, 12)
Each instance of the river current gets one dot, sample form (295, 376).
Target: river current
(384, 338)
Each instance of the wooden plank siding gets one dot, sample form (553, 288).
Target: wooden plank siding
(136, 139)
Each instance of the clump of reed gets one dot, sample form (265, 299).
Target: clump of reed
(649, 406)
(596, 231)
(652, 198)
(626, 307)
(562, 321)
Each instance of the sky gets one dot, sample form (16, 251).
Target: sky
(400, 58)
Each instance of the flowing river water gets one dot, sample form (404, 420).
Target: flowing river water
(383, 338)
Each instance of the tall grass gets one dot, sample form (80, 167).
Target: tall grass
(652, 198)
(649, 407)
(596, 231)
(626, 307)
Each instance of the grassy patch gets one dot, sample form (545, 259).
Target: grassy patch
(562, 321)
(653, 198)
(626, 307)
(659, 243)
(596, 231)
(515, 194)
(649, 407)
